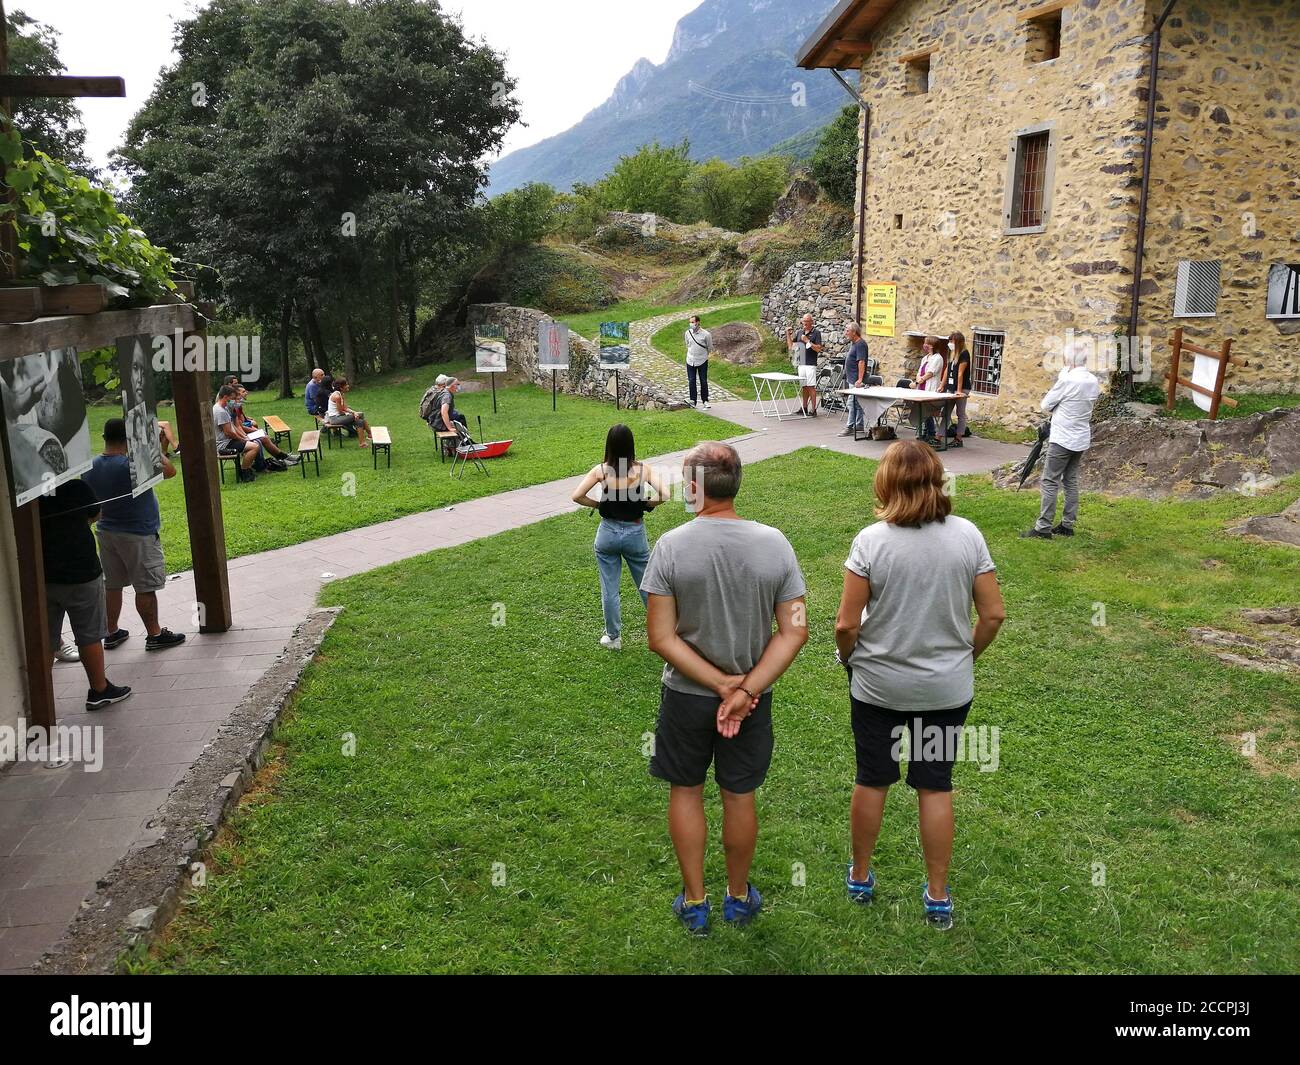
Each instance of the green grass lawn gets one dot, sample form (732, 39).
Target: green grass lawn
(281, 509)
(517, 752)
(1247, 403)
(772, 356)
(588, 324)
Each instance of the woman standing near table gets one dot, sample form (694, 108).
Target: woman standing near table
(957, 381)
(904, 634)
(628, 491)
(930, 374)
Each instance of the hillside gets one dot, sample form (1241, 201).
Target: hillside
(728, 85)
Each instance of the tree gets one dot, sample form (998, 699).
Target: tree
(524, 215)
(316, 153)
(653, 179)
(834, 163)
(52, 124)
(739, 197)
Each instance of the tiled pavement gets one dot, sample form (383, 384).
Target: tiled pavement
(63, 828)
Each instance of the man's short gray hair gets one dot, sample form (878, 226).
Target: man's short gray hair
(854, 328)
(1077, 353)
(715, 467)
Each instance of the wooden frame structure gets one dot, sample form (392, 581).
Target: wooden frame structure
(35, 319)
(190, 390)
(1173, 379)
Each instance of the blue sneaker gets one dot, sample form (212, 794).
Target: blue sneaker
(694, 918)
(938, 915)
(860, 891)
(741, 911)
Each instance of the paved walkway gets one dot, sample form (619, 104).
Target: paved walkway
(61, 829)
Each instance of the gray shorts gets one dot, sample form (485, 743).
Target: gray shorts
(84, 606)
(132, 560)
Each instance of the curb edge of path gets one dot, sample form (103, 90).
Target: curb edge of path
(139, 896)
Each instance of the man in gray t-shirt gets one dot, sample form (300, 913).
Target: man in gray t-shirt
(715, 587)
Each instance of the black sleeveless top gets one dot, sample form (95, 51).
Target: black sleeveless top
(623, 504)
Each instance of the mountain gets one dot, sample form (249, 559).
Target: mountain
(729, 85)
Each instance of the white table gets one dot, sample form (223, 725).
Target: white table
(770, 399)
(876, 400)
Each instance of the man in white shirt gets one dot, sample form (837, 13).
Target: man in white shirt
(699, 342)
(1070, 403)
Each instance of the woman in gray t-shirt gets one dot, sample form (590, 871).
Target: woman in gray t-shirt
(904, 633)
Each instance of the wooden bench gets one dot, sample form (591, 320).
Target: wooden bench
(233, 458)
(379, 438)
(332, 432)
(309, 444)
(275, 428)
(445, 442)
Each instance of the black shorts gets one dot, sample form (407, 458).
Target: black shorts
(687, 740)
(933, 742)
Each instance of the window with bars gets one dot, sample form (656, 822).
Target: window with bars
(1196, 294)
(1029, 180)
(986, 356)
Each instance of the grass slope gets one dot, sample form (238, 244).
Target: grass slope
(282, 509)
(518, 751)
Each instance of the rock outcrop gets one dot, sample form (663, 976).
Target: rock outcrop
(1160, 457)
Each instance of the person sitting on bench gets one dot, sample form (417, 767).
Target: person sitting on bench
(313, 395)
(445, 414)
(338, 415)
(230, 439)
(273, 452)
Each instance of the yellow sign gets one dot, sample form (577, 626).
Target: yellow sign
(882, 303)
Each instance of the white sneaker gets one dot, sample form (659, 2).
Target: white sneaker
(704, 406)
(67, 652)
(613, 645)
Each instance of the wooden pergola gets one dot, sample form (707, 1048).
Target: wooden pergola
(35, 319)
(190, 391)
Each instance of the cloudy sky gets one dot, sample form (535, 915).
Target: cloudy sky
(566, 54)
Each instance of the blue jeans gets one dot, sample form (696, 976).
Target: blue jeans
(700, 373)
(615, 542)
(856, 417)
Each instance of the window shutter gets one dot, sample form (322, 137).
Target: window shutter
(1197, 292)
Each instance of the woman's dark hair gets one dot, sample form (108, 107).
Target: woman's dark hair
(340, 384)
(620, 449)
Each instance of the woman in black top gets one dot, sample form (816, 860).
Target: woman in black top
(628, 489)
(957, 382)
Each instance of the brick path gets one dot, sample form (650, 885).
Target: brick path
(669, 374)
(61, 829)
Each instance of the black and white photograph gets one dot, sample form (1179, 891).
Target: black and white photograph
(140, 410)
(45, 421)
(1283, 291)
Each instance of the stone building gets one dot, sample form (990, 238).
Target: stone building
(1003, 168)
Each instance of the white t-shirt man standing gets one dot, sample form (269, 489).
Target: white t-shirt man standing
(1070, 402)
(699, 344)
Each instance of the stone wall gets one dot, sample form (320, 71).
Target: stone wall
(937, 166)
(1225, 179)
(824, 290)
(584, 377)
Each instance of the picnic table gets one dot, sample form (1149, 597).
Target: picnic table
(877, 399)
(770, 399)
